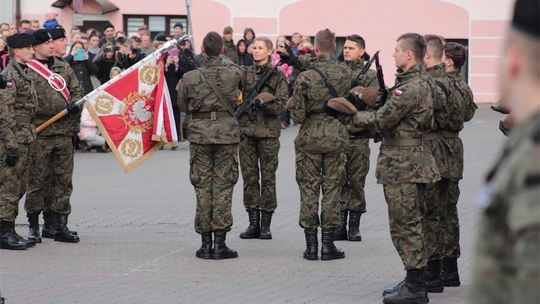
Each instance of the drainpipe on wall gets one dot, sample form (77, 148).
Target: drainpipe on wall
(190, 27)
(17, 14)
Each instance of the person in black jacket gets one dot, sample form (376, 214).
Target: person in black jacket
(84, 67)
(244, 58)
(105, 60)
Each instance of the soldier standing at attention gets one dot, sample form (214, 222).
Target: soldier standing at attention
(209, 95)
(460, 110)
(353, 201)
(259, 146)
(52, 169)
(507, 263)
(17, 137)
(436, 194)
(405, 165)
(320, 161)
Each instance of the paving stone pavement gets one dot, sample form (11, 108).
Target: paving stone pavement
(138, 242)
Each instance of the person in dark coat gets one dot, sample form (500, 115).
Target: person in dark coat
(83, 67)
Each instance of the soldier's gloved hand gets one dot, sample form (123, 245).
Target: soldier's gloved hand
(258, 104)
(73, 109)
(12, 156)
(329, 110)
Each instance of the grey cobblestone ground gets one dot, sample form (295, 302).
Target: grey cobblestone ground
(138, 244)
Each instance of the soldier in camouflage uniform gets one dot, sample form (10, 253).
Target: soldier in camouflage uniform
(52, 168)
(229, 49)
(320, 161)
(436, 194)
(209, 95)
(461, 110)
(353, 202)
(17, 137)
(507, 263)
(405, 165)
(259, 146)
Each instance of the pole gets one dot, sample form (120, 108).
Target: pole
(169, 44)
(190, 27)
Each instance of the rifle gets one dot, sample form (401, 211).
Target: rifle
(383, 93)
(364, 70)
(290, 59)
(251, 104)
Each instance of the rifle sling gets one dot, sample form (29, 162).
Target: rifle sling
(330, 88)
(218, 93)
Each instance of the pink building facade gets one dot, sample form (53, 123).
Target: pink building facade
(479, 24)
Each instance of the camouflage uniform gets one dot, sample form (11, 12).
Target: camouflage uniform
(462, 110)
(18, 107)
(319, 146)
(352, 193)
(229, 50)
(52, 166)
(404, 164)
(214, 135)
(259, 146)
(507, 263)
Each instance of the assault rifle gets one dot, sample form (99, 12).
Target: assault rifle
(383, 92)
(251, 103)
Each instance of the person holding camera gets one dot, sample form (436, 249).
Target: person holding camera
(128, 55)
(105, 61)
(82, 64)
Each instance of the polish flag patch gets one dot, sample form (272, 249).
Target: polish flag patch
(398, 92)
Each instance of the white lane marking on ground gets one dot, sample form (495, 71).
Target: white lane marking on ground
(138, 268)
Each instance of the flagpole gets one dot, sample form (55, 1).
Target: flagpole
(169, 44)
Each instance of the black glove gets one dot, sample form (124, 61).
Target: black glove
(258, 104)
(500, 109)
(358, 103)
(329, 110)
(12, 156)
(73, 109)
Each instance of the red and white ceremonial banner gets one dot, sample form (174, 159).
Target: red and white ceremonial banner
(134, 111)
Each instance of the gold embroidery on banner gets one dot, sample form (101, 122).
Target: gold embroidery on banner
(149, 74)
(137, 112)
(104, 104)
(131, 148)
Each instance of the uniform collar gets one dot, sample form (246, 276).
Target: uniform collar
(413, 72)
(356, 64)
(437, 70)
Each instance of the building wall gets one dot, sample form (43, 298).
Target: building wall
(481, 22)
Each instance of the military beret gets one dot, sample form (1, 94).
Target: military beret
(41, 36)
(228, 30)
(57, 33)
(19, 41)
(526, 16)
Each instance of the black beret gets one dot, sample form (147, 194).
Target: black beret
(57, 33)
(19, 41)
(526, 16)
(41, 36)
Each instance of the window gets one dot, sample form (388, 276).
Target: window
(156, 24)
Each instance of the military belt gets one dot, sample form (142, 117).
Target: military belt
(24, 119)
(402, 142)
(317, 115)
(431, 136)
(210, 115)
(445, 133)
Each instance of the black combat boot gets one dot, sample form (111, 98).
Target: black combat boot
(312, 244)
(449, 272)
(432, 277)
(341, 231)
(49, 225)
(33, 227)
(392, 288)
(413, 291)
(266, 219)
(221, 251)
(63, 234)
(28, 243)
(329, 250)
(354, 226)
(253, 231)
(8, 239)
(205, 252)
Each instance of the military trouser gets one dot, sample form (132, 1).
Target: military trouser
(260, 153)
(352, 193)
(450, 222)
(435, 198)
(405, 212)
(213, 173)
(14, 180)
(316, 171)
(52, 173)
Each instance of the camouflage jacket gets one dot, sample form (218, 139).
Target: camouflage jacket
(267, 123)
(230, 51)
(20, 102)
(407, 114)
(196, 96)
(319, 133)
(507, 263)
(50, 102)
(369, 79)
(463, 110)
